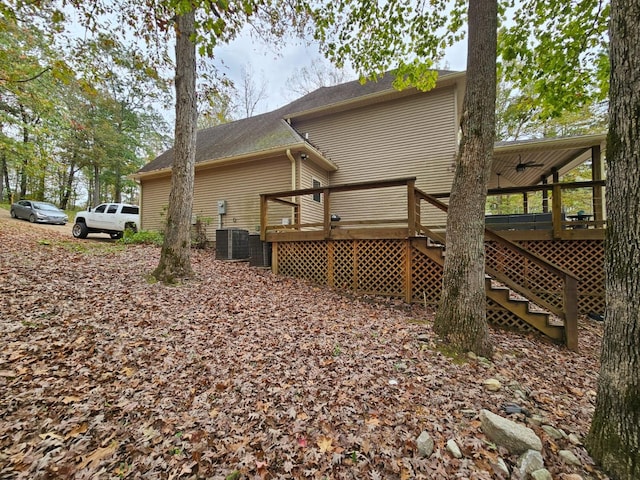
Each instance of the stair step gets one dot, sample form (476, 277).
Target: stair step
(540, 319)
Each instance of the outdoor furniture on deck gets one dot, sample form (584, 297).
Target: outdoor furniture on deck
(524, 221)
(582, 218)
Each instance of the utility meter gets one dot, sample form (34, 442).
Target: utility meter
(222, 207)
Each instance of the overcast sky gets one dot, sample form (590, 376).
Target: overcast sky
(276, 68)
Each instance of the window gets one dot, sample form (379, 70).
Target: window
(112, 209)
(100, 208)
(130, 209)
(316, 184)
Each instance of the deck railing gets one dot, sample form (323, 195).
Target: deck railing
(326, 228)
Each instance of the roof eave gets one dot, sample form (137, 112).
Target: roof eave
(314, 155)
(443, 81)
(555, 143)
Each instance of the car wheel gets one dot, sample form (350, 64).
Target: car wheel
(80, 230)
(13, 214)
(116, 235)
(32, 218)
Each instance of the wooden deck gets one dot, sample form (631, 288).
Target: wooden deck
(559, 269)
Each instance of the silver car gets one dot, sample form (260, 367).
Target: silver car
(41, 212)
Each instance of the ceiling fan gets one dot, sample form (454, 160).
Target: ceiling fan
(522, 166)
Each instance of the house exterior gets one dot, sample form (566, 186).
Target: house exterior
(383, 162)
(334, 135)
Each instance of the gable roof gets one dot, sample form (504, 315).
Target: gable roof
(271, 132)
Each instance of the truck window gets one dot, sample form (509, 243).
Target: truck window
(112, 209)
(130, 209)
(100, 208)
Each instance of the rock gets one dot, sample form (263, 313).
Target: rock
(569, 457)
(484, 361)
(514, 437)
(501, 467)
(423, 337)
(424, 443)
(453, 448)
(536, 419)
(575, 439)
(510, 408)
(530, 462)
(492, 384)
(542, 474)
(472, 356)
(552, 432)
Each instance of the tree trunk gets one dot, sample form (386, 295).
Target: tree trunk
(68, 187)
(96, 185)
(614, 437)
(4, 175)
(175, 256)
(461, 316)
(25, 161)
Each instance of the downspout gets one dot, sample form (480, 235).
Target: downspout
(293, 183)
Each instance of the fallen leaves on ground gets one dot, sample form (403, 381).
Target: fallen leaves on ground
(242, 374)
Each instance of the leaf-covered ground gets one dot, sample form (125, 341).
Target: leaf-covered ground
(241, 374)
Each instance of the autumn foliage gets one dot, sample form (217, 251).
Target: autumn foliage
(242, 374)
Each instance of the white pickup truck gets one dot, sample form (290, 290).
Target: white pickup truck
(111, 218)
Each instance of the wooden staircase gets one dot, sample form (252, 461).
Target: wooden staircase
(536, 316)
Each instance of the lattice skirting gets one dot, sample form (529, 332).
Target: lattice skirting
(395, 268)
(376, 267)
(583, 258)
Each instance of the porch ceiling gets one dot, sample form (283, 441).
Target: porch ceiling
(562, 154)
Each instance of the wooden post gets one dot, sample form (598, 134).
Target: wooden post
(327, 213)
(525, 202)
(545, 196)
(274, 258)
(597, 174)
(263, 217)
(411, 206)
(571, 313)
(408, 283)
(556, 210)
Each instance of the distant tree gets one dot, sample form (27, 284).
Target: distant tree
(313, 76)
(249, 92)
(518, 116)
(614, 437)
(215, 108)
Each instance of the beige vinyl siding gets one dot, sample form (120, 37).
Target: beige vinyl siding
(412, 136)
(312, 211)
(155, 199)
(240, 185)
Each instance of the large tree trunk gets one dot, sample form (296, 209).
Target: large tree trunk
(461, 316)
(614, 438)
(175, 257)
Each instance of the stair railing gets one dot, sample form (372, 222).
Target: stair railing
(535, 278)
